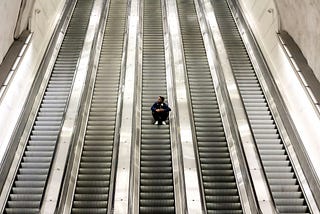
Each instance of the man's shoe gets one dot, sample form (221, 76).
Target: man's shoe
(164, 123)
(156, 123)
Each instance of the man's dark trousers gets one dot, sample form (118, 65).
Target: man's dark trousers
(160, 116)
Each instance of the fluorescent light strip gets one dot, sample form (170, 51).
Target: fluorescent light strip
(23, 50)
(3, 88)
(295, 64)
(15, 65)
(287, 50)
(302, 78)
(281, 40)
(8, 78)
(29, 38)
(296, 67)
(312, 95)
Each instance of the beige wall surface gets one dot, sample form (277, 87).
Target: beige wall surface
(18, 15)
(44, 17)
(301, 19)
(25, 13)
(9, 12)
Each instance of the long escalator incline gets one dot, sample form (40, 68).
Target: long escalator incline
(283, 183)
(30, 181)
(156, 181)
(220, 188)
(93, 180)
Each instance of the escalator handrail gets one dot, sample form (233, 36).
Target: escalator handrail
(287, 130)
(27, 117)
(248, 136)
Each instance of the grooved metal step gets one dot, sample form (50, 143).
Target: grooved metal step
(92, 190)
(30, 181)
(283, 183)
(220, 188)
(156, 182)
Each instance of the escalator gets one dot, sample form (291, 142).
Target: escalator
(218, 180)
(280, 174)
(92, 190)
(156, 177)
(31, 176)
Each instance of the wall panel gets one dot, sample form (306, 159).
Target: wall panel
(9, 11)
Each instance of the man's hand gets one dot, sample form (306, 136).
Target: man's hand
(159, 110)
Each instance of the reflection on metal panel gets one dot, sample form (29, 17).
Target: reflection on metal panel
(220, 188)
(281, 178)
(30, 181)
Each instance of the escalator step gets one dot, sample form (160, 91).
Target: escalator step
(27, 191)
(220, 188)
(94, 175)
(280, 175)
(156, 179)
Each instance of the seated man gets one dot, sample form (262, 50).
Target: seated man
(160, 111)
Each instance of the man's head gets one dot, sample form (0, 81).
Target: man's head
(160, 99)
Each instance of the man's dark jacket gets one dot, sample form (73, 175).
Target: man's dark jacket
(157, 105)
